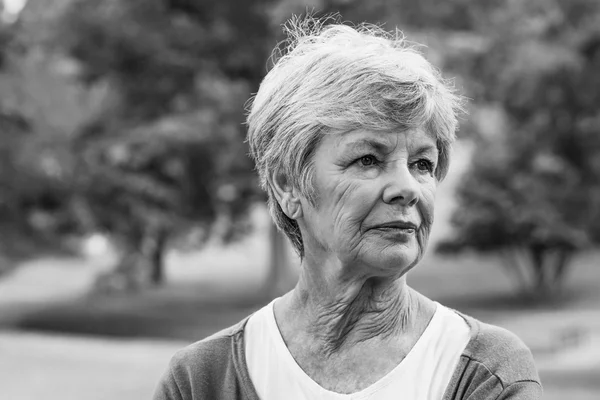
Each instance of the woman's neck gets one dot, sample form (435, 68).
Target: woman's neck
(338, 311)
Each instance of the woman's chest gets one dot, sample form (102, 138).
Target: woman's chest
(349, 371)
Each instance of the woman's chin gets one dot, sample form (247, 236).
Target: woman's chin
(394, 262)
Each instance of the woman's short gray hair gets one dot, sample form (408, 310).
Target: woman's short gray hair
(337, 78)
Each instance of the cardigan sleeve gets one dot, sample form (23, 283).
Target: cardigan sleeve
(205, 370)
(167, 388)
(495, 365)
(523, 390)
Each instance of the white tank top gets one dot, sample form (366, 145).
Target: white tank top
(423, 374)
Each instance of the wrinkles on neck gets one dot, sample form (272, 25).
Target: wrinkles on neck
(342, 313)
(367, 315)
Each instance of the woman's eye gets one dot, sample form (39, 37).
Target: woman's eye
(367, 161)
(424, 166)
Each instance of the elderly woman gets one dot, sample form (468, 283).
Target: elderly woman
(351, 133)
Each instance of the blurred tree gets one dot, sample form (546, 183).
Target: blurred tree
(533, 189)
(167, 151)
(25, 193)
(39, 108)
(12, 128)
(155, 52)
(146, 184)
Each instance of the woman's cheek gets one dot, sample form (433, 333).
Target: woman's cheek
(350, 208)
(426, 207)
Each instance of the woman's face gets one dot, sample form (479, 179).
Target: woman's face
(375, 199)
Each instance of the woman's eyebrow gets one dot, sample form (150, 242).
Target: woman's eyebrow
(426, 149)
(362, 144)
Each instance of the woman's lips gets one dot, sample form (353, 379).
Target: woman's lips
(401, 225)
(399, 230)
(408, 230)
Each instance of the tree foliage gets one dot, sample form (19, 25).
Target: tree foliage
(155, 51)
(533, 188)
(166, 152)
(30, 196)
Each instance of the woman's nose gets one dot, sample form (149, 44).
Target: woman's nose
(402, 188)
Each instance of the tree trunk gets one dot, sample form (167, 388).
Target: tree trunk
(538, 270)
(549, 267)
(514, 268)
(156, 253)
(563, 259)
(539, 265)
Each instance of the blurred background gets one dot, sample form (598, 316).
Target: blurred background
(130, 220)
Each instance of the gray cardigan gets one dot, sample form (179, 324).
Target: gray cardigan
(495, 364)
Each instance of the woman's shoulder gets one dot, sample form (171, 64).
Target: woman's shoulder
(500, 352)
(203, 368)
(210, 349)
(495, 364)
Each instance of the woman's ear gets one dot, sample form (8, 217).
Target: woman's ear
(286, 195)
